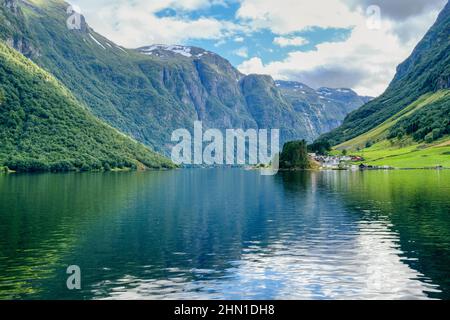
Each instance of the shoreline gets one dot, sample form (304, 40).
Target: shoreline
(6, 171)
(372, 169)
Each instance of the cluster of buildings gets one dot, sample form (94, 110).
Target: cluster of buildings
(338, 162)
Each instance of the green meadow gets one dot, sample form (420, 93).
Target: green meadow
(412, 156)
(378, 148)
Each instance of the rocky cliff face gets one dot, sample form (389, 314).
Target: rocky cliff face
(43, 128)
(24, 46)
(323, 109)
(12, 30)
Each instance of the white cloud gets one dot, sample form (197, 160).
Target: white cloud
(287, 16)
(400, 9)
(254, 66)
(366, 61)
(290, 41)
(241, 52)
(134, 24)
(220, 43)
(153, 5)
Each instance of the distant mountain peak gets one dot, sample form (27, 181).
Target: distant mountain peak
(294, 86)
(334, 91)
(161, 50)
(324, 91)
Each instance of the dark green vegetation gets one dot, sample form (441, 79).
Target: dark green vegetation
(408, 139)
(320, 147)
(428, 124)
(295, 156)
(426, 71)
(44, 128)
(149, 92)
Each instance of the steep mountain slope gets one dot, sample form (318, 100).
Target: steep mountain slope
(43, 127)
(150, 91)
(324, 109)
(402, 124)
(426, 71)
(407, 139)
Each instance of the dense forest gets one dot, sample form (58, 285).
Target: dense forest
(44, 128)
(428, 124)
(295, 156)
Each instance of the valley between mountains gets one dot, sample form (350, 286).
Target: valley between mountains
(147, 93)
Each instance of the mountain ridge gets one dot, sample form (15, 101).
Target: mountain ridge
(148, 92)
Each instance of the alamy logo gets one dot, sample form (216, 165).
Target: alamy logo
(74, 280)
(373, 14)
(212, 148)
(74, 20)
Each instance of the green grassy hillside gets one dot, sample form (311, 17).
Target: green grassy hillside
(44, 128)
(390, 126)
(414, 156)
(395, 143)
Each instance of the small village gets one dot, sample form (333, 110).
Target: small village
(342, 162)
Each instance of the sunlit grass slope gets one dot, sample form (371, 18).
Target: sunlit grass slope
(381, 132)
(414, 156)
(381, 147)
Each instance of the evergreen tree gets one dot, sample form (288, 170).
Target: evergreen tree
(295, 155)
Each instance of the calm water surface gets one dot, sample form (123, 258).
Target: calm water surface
(227, 234)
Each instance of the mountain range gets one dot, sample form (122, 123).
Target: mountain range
(135, 98)
(148, 92)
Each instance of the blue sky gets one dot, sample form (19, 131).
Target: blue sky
(335, 43)
(261, 44)
(241, 45)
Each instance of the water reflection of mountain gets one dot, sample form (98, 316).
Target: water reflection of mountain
(225, 234)
(234, 234)
(43, 219)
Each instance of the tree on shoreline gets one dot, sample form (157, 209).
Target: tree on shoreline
(295, 155)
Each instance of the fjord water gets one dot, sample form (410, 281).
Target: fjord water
(226, 234)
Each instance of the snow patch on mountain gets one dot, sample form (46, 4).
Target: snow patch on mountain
(159, 49)
(96, 41)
